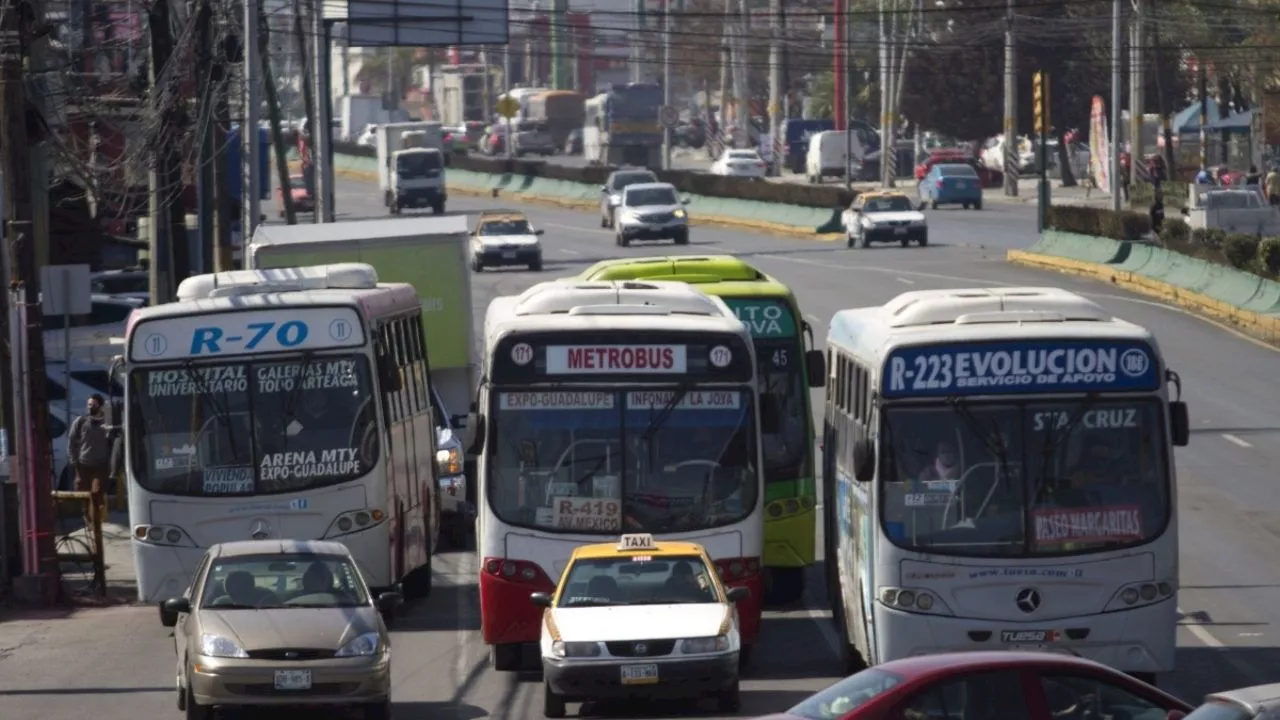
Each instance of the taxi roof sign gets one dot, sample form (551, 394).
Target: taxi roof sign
(639, 541)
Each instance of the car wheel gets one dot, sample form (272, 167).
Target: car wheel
(906, 242)
(553, 705)
(965, 205)
(729, 700)
(181, 688)
(536, 265)
(977, 205)
(623, 241)
(377, 710)
(604, 221)
(850, 240)
(476, 265)
(866, 242)
(924, 240)
(438, 208)
(933, 204)
(681, 238)
(194, 710)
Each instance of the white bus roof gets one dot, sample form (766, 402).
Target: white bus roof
(975, 315)
(356, 231)
(618, 305)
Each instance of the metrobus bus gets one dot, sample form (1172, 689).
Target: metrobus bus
(611, 408)
(284, 403)
(787, 366)
(999, 469)
(621, 126)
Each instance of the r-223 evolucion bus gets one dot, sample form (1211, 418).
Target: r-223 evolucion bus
(612, 408)
(289, 403)
(1001, 469)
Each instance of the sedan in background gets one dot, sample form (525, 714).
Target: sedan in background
(281, 622)
(504, 238)
(740, 163)
(651, 211)
(1260, 702)
(989, 685)
(299, 193)
(952, 184)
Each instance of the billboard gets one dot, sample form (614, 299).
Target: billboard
(419, 23)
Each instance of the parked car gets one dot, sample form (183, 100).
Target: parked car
(299, 193)
(1004, 685)
(134, 284)
(1260, 702)
(952, 184)
(611, 191)
(740, 163)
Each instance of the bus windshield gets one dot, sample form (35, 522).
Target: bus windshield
(605, 462)
(253, 428)
(1024, 479)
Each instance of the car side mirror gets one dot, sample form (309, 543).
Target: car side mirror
(864, 460)
(1179, 423)
(473, 433)
(170, 610)
(684, 201)
(388, 602)
(538, 232)
(737, 594)
(540, 599)
(815, 364)
(770, 414)
(604, 188)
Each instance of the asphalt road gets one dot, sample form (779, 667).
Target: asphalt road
(117, 664)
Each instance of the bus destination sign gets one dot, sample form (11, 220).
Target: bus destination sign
(611, 359)
(246, 332)
(651, 356)
(1059, 366)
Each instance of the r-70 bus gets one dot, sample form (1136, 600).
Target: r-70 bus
(610, 408)
(290, 403)
(1001, 464)
(787, 366)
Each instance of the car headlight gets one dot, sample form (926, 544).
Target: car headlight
(448, 462)
(678, 214)
(217, 646)
(575, 649)
(694, 646)
(629, 216)
(360, 646)
(615, 200)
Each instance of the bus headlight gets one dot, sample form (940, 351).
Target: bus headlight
(448, 462)
(913, 600)
(354, 521)
(575, 649)
(1138, 594)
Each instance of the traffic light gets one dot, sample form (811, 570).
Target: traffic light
(1040, 94)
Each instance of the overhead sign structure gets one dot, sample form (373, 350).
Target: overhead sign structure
(669, 116)
(1050, 366)
(415, 23)
(508, 107)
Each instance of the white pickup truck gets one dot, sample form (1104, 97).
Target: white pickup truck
(1233, 210)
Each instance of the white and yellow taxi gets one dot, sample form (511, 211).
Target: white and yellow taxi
(639, 619)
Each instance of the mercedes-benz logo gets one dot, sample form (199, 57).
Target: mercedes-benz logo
(641, 649)
(260, 529)
(1028, 600)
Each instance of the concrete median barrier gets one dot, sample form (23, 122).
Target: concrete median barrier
(1242, 300)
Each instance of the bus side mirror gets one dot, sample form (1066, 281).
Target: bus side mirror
(390, 375)
(473, 433)
(864, 460)
(815, 364)
(540, 599)
(1180, 423)
(770, 414)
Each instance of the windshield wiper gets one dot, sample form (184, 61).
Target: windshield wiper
(220, 411)
(660, 418)
(1055, 436)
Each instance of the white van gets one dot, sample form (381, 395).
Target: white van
(827, 155)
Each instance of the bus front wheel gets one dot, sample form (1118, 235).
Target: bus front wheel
(506, 657)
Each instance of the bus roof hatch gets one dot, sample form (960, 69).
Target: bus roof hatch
(338, 276)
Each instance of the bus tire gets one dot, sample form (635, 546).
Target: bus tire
(553, 705)
(851, 660)
(506, 657)
(417, 584)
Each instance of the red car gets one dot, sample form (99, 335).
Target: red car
(988, 686)
(988, 177)
(302, 201)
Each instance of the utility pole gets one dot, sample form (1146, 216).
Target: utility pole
(1117, 80)
(319, 125)
(1137, 90)
(207, 157)
(786, 61)
(1202, 91)
(308, 101)
(840, 66)
(30, 431)
(886, 99)
(251, 200)
(637, 29)
(889, 153)
(224, 218)
(726, 61)
(666, 84)
(170, 256)
(775, 88)
(741, 91)
(1011, 105)
(273, 115)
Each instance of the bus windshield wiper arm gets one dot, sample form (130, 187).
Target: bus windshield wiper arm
(220, 412)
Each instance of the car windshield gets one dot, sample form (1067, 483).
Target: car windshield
(254, 428)
(888, 204)
(847, 695)
(121, 283)
(298, 580)
(1222, 710)
(1024, 479)
(506, 227)
(957, 171)
(604, 462)
(411, 165)
(639, 580)
(622, 180)
(651, 196)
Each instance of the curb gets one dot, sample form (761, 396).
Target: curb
(1262, 327)
(704, 221)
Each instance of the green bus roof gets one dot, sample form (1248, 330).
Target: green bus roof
(721, 275)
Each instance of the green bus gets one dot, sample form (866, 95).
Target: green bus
(789, 366)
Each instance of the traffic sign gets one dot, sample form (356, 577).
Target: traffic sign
(669, 115)
(508, 107)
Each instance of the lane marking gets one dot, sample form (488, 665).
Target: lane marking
(1199, 633)
(567, 251)
(905, 281)
(1235, 440)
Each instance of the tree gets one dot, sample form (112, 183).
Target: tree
(373, 71)
(696, 44)
(957, 93)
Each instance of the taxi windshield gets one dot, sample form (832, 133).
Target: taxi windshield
(638, 579)
(514, 226)
(888, 204)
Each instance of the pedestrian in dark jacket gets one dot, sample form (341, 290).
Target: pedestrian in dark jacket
(89, 450)
(1157, 212)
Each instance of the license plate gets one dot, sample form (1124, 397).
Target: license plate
(509, 255)
(1032, 637)
(960, 186)
(899, 231)
(293, 679)
(639, 674)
